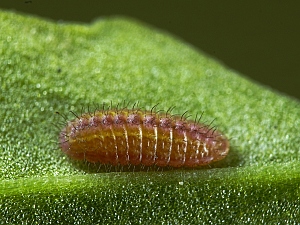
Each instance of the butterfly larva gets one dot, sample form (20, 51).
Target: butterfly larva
(136, 137)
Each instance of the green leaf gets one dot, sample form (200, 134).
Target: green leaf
(47, 67)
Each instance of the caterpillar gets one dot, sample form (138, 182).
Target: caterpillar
(136, 137)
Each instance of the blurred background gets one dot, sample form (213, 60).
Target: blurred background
(260, 39)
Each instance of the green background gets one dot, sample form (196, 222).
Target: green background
(49, 66)
(257, 38)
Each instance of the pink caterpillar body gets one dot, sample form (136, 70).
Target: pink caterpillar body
(135, 137)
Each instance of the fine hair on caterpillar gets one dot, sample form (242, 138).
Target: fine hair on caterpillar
(125, 137)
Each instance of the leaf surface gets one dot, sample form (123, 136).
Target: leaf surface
(47, 67)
